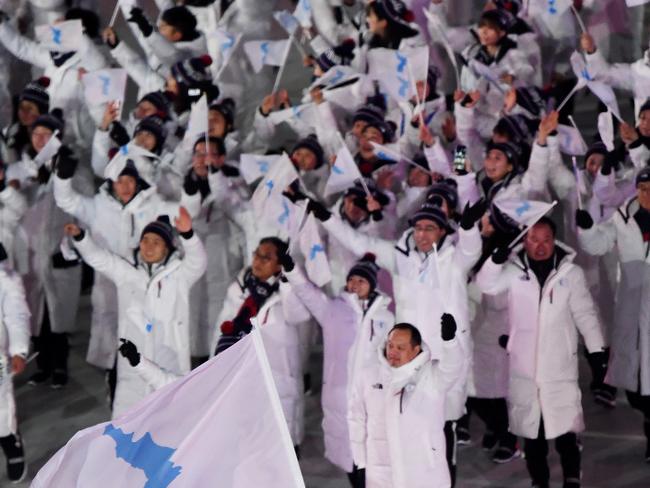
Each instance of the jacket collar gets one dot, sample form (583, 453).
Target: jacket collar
(407, 373)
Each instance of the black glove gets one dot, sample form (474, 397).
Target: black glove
(138, 18)
(598, 364)
(448, 329)
(113, 45)
(43, 175)
(287, 262)
(608, 163)
(583, 219)
(66, 164)
(503, 340)
(500, 254)
(377, 215)
(191, 183)
(118, 134)
(60, 262)
(129, 351)
(473, 214)
(319, 210)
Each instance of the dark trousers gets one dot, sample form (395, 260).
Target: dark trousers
(494, 413)
(52, 348)
(537, 449)
(357, 477)
(450, 439)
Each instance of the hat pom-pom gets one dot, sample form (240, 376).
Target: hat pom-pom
(206, 60)
(44, 81)
(408, 16)
(369, 257)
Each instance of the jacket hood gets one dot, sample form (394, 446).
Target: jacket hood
(407, 373)
(565, 255)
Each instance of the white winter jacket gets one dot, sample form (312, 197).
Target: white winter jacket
(543, 343)
(397, 417)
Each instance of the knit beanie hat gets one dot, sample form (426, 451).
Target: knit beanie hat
(643, 176)
(432, 212)
(311, 143)
(156, 126)
(510, 150)
(397, 14)
(193, 72)
(367, 269)
(368, 112)
(162, 228)
(386, 127)
(357, 190)
(225, 107)
(446, 189)
(181, 19)
(36, 92)
(516, 127)
(159, 100)
(645, 106)
(340, 55)
(512, 6)
(52, 120)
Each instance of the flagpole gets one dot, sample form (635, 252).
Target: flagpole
(363, 182)
(525, 231)
(568, 97)
(114, 15)
(420, 104)
(573, 123)
(577, 175)
(583, 28)
(276, 406)
(278, 78)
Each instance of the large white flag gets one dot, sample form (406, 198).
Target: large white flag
(312, 247)
(261, 53)
(571, 142)
(603, 91)
(222, 424)
(225, 43)
(62, 37)
(343, 173)
(104, 85)
(524, 212)
(635, 3)
(303, 13)
(49, 150)
(305, 113)
(198, 122)
(391, 69)
(268, 194)
(606, 129)
(288, 22)
(254, 166)
(140, 157)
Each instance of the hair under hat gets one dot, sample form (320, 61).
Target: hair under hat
(397, 14)
(431, 212)
(510, 150)
(181, 19)
(225, 107)
(311, 143)
(156, 126)
(52, 120)
(597, 147)
(367, 269)
(447, 189)
(645, 106)
(36, 92)
(518, 128)
(500, 18)
(159, 100)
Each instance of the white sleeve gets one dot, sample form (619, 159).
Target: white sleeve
(24, 48)
(357, 422)
(14, 206)
(195, 261)
(493, 278)
(71, 202)
(15, 313)
(116, 268)
(584, 313)
(135, 65)
(312, 297)
(155, 376)
(599, 239)
(618, 75)
(534, 179)
(451, 364)
(101, 146)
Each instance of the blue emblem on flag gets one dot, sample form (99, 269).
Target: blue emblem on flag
(106, 83)
(263, 166)
(337, 77)
(337, 170)
(228, 43)
(552, 9)
(403, 86)
(522, 209)
(56, 35)
(285, 213)
(148, 327)
(264, 47)
(269, 184)
(124, 150)
(401, 62)
(146, 455)
(585, 74)
(315, 249)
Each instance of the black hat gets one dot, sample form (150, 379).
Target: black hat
(512, 6)
(311, 143)
(340, 55)
(645, 106)
(217, 141)
(52, 120)
(156, 126)
(367, 269)
(421, 161)
(386, 127)
(499, 17)
(397, 14)
(596, 148)
(368, 113)
(531, 99)
(130, 170)
(511, 151)
(358, 190)
(182, 19)
(643, 176)
(159, 100)
(432, 212)
(447, 189)
(193, 72)
(518, 128)
(163, 228)
(36, 92)
(225, 107)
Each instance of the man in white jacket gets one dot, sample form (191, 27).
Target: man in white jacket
(549, 303)
(14, 345)
(153, 298)
(397, 408)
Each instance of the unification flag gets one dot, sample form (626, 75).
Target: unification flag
(268, 194)
(62, 37)
(524, 212)
(312, 247)
(104, 85)
(261, 53)
(343, 173)
(220, 424)
(48, 151)
(198, 122)
(303, 13)
(571, 142)
(254, 166)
